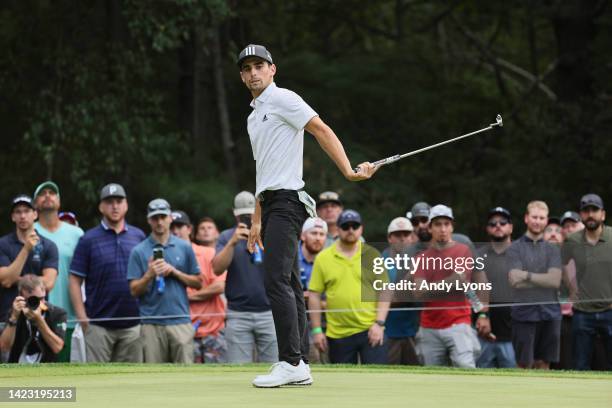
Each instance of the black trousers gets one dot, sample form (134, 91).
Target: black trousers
(282, 218)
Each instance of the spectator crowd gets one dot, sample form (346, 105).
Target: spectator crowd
(185, 292)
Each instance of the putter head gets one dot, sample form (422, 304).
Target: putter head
(498, 121)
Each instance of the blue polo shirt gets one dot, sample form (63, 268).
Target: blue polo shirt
(101, 258)
(536, 257)
(10, 246)
(173, 301)
(305, 267)
(244, 284)
(400, 323)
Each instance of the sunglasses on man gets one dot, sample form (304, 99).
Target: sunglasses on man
(350, 225)
(501, 223)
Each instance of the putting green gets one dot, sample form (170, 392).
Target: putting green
(133, 386)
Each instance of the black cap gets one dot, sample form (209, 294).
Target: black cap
(554, 220)
(570, 216)
(180, 217)
(22, 199)
(420, 209)
(254, 50)
(501, 211)
(112, 190)
(591, 200)
(348, 216)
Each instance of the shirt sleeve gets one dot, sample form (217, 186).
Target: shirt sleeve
(51, 256)
(369, 259)
(514, 257)
(295, 111)
(468, 254)
(58, 324)
(221, 242)
(567, 252)
(317, 279)
(80, 259)
(4, 257)
(192, 262)
(135, 268)
(554, 257)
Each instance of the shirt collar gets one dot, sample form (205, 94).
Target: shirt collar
(107, 228)
(171, 241)
(301, 254)
(263, 97)
(606, 234)
(337, 253)
(489, 250)
(527, 239)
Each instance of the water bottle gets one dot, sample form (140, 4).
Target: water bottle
(36, 257)
(477, 305)
(160, 284)
(257, 255)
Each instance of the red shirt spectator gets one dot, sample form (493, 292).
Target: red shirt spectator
(446, 313)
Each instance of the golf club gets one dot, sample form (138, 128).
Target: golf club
(389, 160)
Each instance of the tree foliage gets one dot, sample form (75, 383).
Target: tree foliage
(137, 92)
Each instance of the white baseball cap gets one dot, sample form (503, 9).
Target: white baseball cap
(399, 224)
(440, 210)
(314, 222)
(244, 203)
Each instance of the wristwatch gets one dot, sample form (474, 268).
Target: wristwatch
(381, 323)
(11, 322)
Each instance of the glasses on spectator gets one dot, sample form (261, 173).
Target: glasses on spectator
(501, 223)
(350, 225)
(553, 229)
(419, 220)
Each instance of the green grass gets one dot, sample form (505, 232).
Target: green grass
(134, 386)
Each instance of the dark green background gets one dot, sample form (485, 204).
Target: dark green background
(142, 92)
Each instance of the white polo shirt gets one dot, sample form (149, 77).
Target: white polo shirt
(276, 130)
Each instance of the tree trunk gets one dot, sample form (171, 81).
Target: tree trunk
(221, 98)
(574, 28)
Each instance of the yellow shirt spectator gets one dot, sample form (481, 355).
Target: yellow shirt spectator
(341, 280)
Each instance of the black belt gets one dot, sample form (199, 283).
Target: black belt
(268, 195)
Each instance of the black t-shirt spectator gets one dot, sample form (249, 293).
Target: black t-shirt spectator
(10, 246)
(496, 268)
(28, 335)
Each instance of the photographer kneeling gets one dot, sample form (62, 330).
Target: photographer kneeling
(35, 329)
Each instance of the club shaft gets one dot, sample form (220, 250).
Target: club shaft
(397, 157)
(424, 149)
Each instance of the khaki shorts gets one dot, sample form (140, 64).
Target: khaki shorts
(168, 344)
(104, 345)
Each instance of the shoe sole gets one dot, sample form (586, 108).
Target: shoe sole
(302, 383)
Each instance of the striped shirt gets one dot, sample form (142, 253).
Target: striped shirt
(101, 258)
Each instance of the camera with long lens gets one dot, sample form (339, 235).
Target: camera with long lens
(33, 302)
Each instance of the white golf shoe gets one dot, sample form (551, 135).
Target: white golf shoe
(307, 381)
(283, 373)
